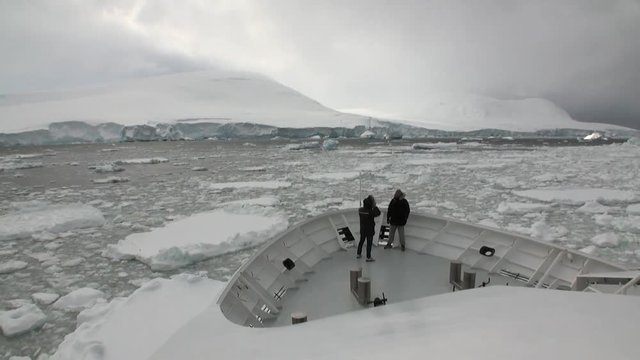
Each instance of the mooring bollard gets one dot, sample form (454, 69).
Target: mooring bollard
(354, 274)
(298, 317)
(364, 290)
(469, 280)
(455, 270)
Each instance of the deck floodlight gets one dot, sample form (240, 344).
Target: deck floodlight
(288, 263)
(487, 251)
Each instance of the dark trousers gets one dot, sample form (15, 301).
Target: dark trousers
(369, 238)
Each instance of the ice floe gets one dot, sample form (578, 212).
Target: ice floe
(33, 218)
(21, 320)
(506, 207)
(79, 299)
(249, 184)
(111, 180)
(44, 298)
(605, 240)
(10, 266)
(157, 160)
(334, 176)
(200, 236)
(578, 196)
(106, 168)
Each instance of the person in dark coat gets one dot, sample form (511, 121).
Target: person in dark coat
(368, 212)
(397, 215)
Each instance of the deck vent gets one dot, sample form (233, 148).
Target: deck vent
(346, 233)
(487, 251)
(288, 263)
(384, 232)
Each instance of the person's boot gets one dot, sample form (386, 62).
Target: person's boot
(370, 259)
(388, 246)
(402, 247)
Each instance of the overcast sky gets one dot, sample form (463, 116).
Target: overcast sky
(379, 55)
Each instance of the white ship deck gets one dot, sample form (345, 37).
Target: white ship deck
(400, 275)
(306, 269)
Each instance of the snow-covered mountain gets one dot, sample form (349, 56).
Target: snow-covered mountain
(219, 103)
(465, 112)
(209, 96)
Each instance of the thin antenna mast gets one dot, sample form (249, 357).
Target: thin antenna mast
(360, 180)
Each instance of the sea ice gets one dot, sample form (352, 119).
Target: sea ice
(200, 236)
(44, 298)
(111, 180)
(634, 209)
(335, 176)
(80, 299)
(303, 146)
(107, 168)
(10, 266)
(21, 320)
(605, 240)
(521, 208)
(577, 196)
(249, 184)
(157, 160)
(50, 218)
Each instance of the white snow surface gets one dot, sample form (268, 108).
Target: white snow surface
(205, 96)
(134, 327)
(32, 218)
(463, 112)
(21, 320)
(201, 236)
(179, 319)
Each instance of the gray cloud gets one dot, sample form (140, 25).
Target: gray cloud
(376, 54)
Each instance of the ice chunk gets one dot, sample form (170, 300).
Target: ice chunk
(420, 146)
(594, 207)
(80, 299)
(329, 144)
(198, 168)
(634, 209)
(157, 160)
(10, 266)
(111, 180)
(22, 320)
(107, 168)
(250, 184)
(303, 146)
(41, 217)
(577, 196)
(605, 240)
(335, 176)
(44, 298)
(521, 208)
(200, 236)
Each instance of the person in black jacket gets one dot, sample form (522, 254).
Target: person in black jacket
(397, 215)
(367, 212)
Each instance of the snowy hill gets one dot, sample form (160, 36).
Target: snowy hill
(464, 112)
(197, 104)
(210, 96)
